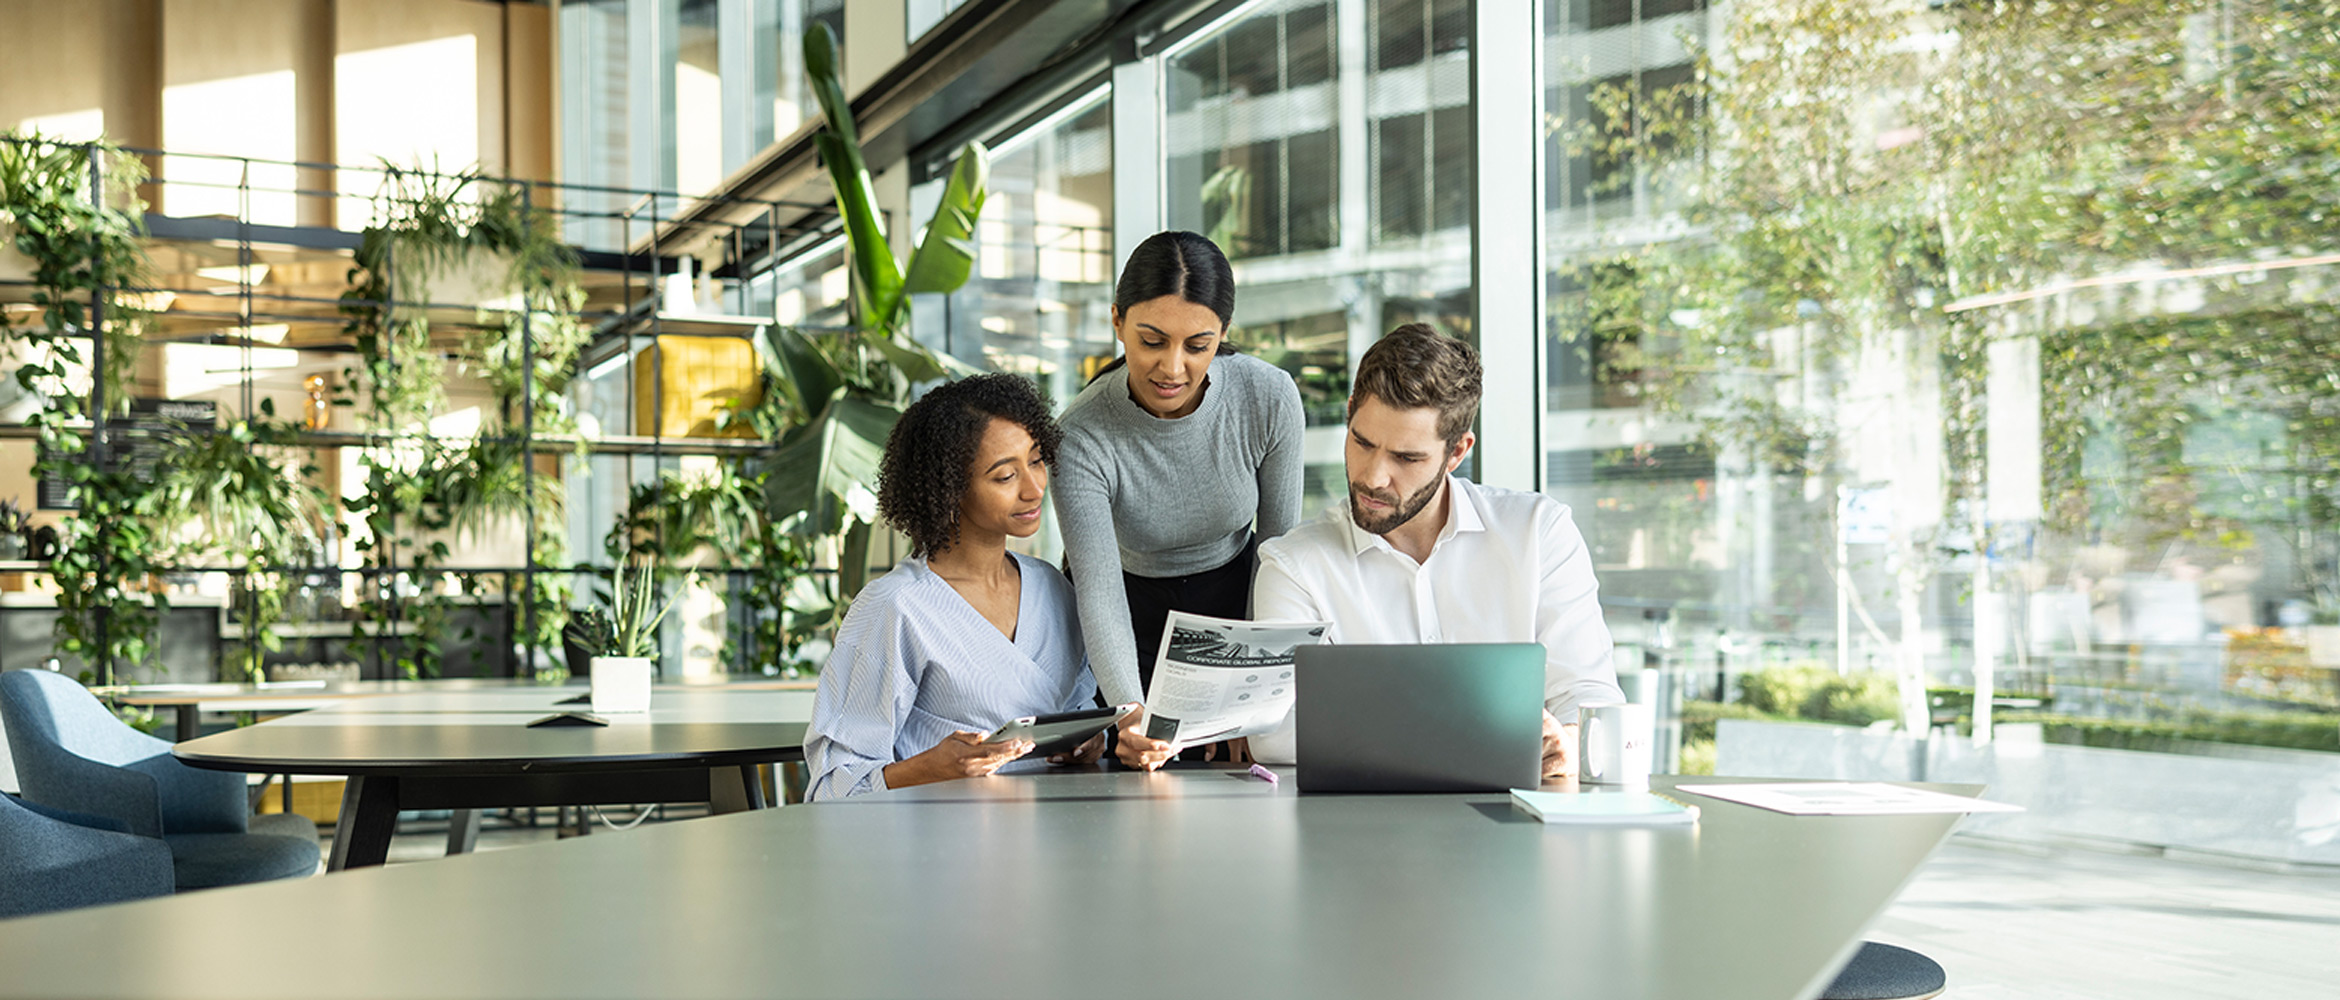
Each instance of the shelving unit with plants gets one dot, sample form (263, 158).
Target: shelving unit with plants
(403, 415)
(266, 500)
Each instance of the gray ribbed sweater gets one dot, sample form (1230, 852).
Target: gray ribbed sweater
(1155, 497)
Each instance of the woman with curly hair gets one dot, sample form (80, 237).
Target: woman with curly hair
(963, 636)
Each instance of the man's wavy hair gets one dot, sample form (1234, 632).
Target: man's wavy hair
(1415, 367)
(924, 476)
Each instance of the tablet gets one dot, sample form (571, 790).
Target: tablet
(1063, 732)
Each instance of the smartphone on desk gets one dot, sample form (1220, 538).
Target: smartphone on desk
(1063, 732)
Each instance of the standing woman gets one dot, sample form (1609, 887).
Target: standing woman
(1177, 461)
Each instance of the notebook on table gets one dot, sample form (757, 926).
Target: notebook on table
(1604, 808)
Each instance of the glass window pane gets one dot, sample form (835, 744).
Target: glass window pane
(671, 117)
(1420, 99)
(920, 16)
(1398, 36)
(1252, 148)
(1040, 301)
(594, 116)
(698, 99)
(1311, 170)
(1251, 58)
(1309, 34)
(1450, 158)
(1450, 26)
(1850, 385)
(1323, 269)
(1400, 189)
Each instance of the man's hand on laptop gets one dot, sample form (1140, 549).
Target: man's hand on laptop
(1135, 748)
(1559, 749)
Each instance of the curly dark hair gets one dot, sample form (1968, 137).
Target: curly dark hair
(923, 477)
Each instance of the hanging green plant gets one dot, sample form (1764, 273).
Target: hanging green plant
(250, 504)
(72, 210)
(482, 243)
(81, 245)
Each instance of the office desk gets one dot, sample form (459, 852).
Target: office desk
(190, 701)
(1184, 884)
(469, 750)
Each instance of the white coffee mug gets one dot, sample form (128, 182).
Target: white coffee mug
(1613, 744)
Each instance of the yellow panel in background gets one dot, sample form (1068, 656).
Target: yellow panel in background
(320, 801)
(685, 381)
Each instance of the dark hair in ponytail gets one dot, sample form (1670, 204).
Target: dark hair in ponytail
(1180, 263)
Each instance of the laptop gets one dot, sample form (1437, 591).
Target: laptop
(1458, 717)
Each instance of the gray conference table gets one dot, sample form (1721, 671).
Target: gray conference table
(473, 749)
(1197, 883)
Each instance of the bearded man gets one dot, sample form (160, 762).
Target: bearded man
(1421, 555)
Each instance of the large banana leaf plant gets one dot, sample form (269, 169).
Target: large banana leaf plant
(836, 395)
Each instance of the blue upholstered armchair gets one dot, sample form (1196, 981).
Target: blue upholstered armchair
(55, 860)
(72, 754)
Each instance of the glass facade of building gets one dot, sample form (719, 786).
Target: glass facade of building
(1041, 298)
(1324, 146)
(1839, 371)
(673, 95)
(1885, 351)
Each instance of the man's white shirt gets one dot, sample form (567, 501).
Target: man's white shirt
(1507, 567)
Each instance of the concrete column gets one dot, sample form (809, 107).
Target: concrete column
(315, 39)
(133, 85)
(1507, 90)
(531, 94)
(1137, 156)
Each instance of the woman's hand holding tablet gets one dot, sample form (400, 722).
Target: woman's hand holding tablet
(1062, 733)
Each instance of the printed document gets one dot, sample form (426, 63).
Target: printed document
(1216, 679)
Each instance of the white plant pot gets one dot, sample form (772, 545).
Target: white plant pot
(14, 265)
(621, 684)
(2323, 645)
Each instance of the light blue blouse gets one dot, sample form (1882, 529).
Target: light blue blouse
(914, 662)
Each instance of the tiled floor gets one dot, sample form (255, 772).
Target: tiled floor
(426, 839)
(2009, 923)
(2028, 924)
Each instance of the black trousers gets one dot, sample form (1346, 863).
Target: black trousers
(1224, 592)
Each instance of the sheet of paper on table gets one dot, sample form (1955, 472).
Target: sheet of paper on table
(1845, 798)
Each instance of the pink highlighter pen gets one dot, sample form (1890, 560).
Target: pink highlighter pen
(1263, 774)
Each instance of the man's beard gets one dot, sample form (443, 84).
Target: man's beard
(1400, 511)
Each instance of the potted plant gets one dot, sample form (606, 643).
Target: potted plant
(627, 634)
(584, 637)
(13, 522)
